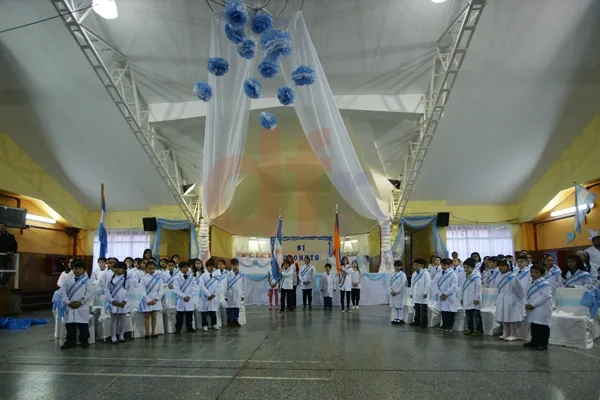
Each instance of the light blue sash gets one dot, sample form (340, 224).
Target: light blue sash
(444, 278)
(504, 281)
(305, 270)
(522, 274)
(579, 275)
(153, 283)
(554, 272)
(186, 284)
(211, 281)
(172, 278)
(536, 287)
(396, 276)
(492, 276)
(78, 284)
(343, 271)
(417, 278)
(470, 281)
(117, 286)
(234, 281)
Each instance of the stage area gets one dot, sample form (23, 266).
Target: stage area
(303, 355)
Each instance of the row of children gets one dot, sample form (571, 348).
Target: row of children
(120, 280)
(348, 282)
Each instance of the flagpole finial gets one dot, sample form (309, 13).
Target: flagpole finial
(336, 208)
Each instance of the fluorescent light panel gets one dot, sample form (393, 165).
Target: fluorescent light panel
(39, 218)
(570, 210)
(107, 9)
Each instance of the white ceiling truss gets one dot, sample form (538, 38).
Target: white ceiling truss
(119, 80)
(447, 62)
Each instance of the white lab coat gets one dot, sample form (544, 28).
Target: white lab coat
(509, 303)
(554, 276)
(236, 289)
(594, 255)
(209, 285)
(287, 278)
(581, 279)
(355, 279)
(185, 288)
(460, 274)
(421, 286)
(169, 279)
(77, 289)
(327, 284)
(346, 279)
(153, 288)
(524, 277)
(539, 296)
(63, 277)
(447, 284)
(471, 291)
(114, 290)
(398, 286)
(307, 274)
(493, 279)
(96, 274)
(435, 277)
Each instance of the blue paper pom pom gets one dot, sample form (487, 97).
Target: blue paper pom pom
(218, 66)
(261, 22)
(203, 91)
(235, 13)
(286, 95)
(268, 69)
(276, 44)
(233, 34)
(252, 88)
(303, 75)
(267, 120)
(247, 49)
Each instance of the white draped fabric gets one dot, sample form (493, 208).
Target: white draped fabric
(123, 243)
(487, 239)
(226, 125)
(325, 129)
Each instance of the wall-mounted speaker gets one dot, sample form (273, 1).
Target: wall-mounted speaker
(149, 224)
(443, 219)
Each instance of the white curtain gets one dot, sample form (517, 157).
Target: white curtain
(325, 130)
(123, 243)
(486, 239)
(252, 247)
(226, 125)
(355, 245)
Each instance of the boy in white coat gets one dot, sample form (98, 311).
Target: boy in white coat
(185, 288)
(209, 284)
(539, 309)
(397, 289)
(492, 277)
(509, 303)
(236, 289)
(307, 278)
(76, 292)
(421, 286)
(446, 287)
(472, 298)
(327, 287)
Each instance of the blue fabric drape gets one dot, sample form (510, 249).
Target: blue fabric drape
(20, 323)
(419, 222)
(175, 225)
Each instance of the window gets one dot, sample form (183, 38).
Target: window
(486, 239)
(123, 243)
(254, 247)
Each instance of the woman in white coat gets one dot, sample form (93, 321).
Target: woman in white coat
(446, 287)
(539, 309)
(153, 290)
(397, 293)
(509, 303)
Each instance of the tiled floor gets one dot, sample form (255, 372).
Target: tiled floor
(305, 355)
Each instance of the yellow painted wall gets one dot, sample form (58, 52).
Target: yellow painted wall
(20, 174)
(221, 243)
(175, 242)
(579, 163)
(375, 241)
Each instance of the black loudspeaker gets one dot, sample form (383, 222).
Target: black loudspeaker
(443, 219)
(149, 224)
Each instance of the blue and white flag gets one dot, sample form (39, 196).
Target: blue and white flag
(583, 199)
(277, 252)
(102, 235)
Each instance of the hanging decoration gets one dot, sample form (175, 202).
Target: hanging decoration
(218, 66)
(203, 91)
(233, 34)
(235, 14)
(261, 22)
(286, 95)
(252, 88)
(276, 44)
(247, 49)
(303, 76)
(268, 69)
(267, 120)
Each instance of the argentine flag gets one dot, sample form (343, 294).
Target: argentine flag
(102, 235)
(583, 199)
(277, 252)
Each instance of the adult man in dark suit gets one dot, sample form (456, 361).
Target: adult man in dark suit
(8, 248)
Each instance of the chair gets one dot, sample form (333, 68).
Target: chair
(488, 312)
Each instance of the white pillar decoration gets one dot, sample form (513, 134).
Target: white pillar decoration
(387, 258)
(204, 241)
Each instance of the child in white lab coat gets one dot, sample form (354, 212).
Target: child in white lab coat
(96, 272)
(523, 274)
(118, 291)
(153, 290)
(236, 289)
(327, 287)
(472, 298)
(76, 292)
(307, 278)
(397, 289)
(575, 275)
(553, 271)
(209, 286)
(509, 303)
(185, 288)
(420, 288)
(355, 278)
(492, 276)
(446, 287)
(170, 274)
(286, 284)
(539, 309)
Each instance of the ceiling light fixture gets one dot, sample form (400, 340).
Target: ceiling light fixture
(187, 189)
(570, 210)
(438, 1)
(107, 9)
(39, 218)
